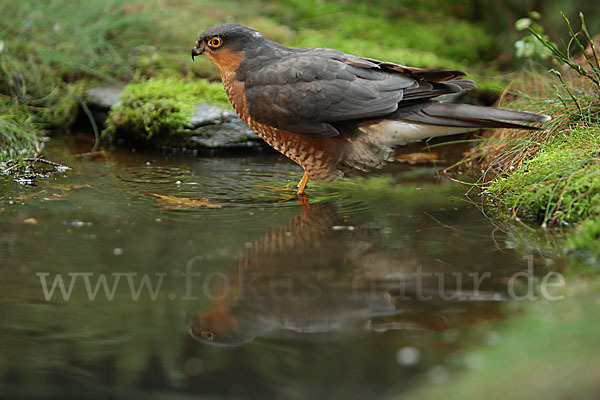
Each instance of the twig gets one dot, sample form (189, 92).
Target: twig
(36, 160)
(44, 161)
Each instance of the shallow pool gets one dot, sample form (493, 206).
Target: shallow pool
(138, 274)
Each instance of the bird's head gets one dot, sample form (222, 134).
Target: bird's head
(224, 45)
(218, 326)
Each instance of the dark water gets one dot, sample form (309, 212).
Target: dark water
(223, 290)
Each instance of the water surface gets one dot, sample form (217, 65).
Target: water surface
(217, 287)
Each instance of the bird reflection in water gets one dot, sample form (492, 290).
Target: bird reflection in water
(318, 275)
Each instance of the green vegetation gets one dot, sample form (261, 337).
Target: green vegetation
(157, 111)
(392, 33)
(561, 182)
(552, 177)
(17, 131)
(46, 51)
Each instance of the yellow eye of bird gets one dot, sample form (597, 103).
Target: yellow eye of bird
(208, 335)
(215, 42)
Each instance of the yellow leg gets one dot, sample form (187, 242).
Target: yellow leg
(302, 184)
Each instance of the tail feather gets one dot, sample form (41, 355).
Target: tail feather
(466, 116)
(374, 145)
(423, 90)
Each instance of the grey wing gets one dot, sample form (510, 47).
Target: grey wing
(420, 74)
(430, 83)
(308, 92)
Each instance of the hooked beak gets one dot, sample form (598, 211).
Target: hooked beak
(198, 50)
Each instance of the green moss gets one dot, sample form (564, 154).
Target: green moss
(157, 111)
(552, 176)
(560, 183)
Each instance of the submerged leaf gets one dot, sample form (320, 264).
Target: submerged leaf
(181, 203)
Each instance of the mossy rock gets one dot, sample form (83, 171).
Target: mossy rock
(170, 112)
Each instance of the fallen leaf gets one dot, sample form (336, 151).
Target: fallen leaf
(30, 221)
(418, 158)
(179, 203)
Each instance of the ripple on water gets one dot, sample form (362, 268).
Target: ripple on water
(173, 189)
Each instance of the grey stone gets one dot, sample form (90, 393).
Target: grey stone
(104, 98)
(209, 114)
(217, 127)
(226, 134)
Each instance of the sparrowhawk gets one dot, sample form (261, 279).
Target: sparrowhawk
(333, 112)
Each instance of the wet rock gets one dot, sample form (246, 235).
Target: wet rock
(216, 127)
(101, 100)
(104, 98)
(209, 114)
